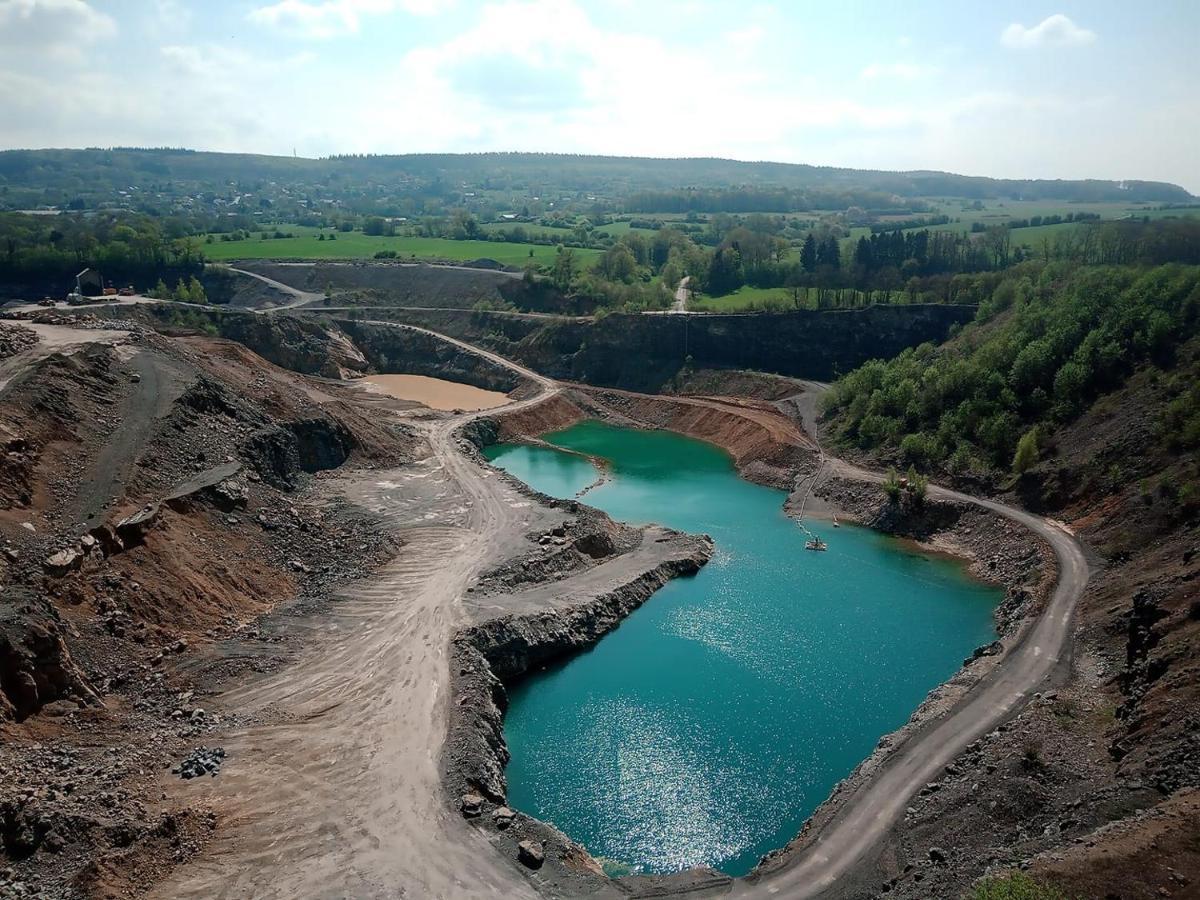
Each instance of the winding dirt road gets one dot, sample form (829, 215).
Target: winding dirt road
(865, 818)
(339, 793)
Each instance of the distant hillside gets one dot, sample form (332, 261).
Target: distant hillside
(87, 178)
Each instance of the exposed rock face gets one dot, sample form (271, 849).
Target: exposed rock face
(292, 342)
(395, 349)
(35, 666)
(644, 353)
(507, 647)
(279, 453)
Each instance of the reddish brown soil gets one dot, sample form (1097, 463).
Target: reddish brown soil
(103, 667)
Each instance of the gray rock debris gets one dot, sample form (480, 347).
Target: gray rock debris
(531, 854)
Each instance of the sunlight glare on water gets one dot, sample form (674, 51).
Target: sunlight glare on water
(710, 724)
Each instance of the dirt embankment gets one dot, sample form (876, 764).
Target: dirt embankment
(766, 447)
(156, 499)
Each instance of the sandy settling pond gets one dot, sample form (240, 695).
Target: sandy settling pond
(435, 393)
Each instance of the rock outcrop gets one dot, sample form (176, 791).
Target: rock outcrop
(486, 655)
(646, 353)
(35, 665)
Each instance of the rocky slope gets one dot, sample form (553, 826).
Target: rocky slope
(1077, 787)
(157, 497)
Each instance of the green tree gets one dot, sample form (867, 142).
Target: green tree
(829, 253)
(917, 487)
(1016, 886)
(1027, 452)
(564, 271)
(808, 254)
(891, 486)
(725, 272)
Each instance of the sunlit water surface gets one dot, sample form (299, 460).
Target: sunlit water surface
(710, 724)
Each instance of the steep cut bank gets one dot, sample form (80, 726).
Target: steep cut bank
(646, 353)
(767, 448)
(401, 350)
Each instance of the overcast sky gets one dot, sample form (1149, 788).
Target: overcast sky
(1027, 89)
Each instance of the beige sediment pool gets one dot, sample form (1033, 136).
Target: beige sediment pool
(435, 393)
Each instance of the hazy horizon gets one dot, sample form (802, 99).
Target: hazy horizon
(1037, 91)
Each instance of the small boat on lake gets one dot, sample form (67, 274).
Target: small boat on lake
(815, 543)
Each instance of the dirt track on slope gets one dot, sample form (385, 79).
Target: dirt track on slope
(339, 793)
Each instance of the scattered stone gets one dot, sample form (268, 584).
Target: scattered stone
(937, 855)
(201, 761)
(471, 805)
(230, 495)
(531, 854)
(503, 817)
(62, 562)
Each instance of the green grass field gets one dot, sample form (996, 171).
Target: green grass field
(355, 245)
(745, 299)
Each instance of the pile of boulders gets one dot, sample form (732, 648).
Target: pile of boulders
(15, 338)
(201, 761)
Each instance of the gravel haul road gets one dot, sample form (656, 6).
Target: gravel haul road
(339, 792)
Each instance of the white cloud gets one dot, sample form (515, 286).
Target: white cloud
(902, 70)
(53, 27)
(321, 19)
(748, 37)
(1053, 31)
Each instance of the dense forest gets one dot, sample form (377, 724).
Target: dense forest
(1049, 338)
(48, 250)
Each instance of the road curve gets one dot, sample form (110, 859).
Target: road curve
(424, 848)
(865, 817)
(299, 297)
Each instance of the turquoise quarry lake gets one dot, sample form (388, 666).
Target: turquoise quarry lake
(710, 724)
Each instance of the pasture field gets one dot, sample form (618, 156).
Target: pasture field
(355, 245)
(531, 228)
(744, 299)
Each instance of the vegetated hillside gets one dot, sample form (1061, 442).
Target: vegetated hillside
(1049, 339)
(97, 176)
(1077, 392)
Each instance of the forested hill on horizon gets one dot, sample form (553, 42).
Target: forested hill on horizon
(91, 178)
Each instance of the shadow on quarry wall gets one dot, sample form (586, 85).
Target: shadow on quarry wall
(403, 351)
(642, 353)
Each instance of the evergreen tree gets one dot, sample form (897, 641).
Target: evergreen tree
(196, 291)
(829, 253)
(808, 254)
(725, 272)
(863, 257)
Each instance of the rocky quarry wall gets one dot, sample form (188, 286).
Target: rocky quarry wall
(646, 352)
